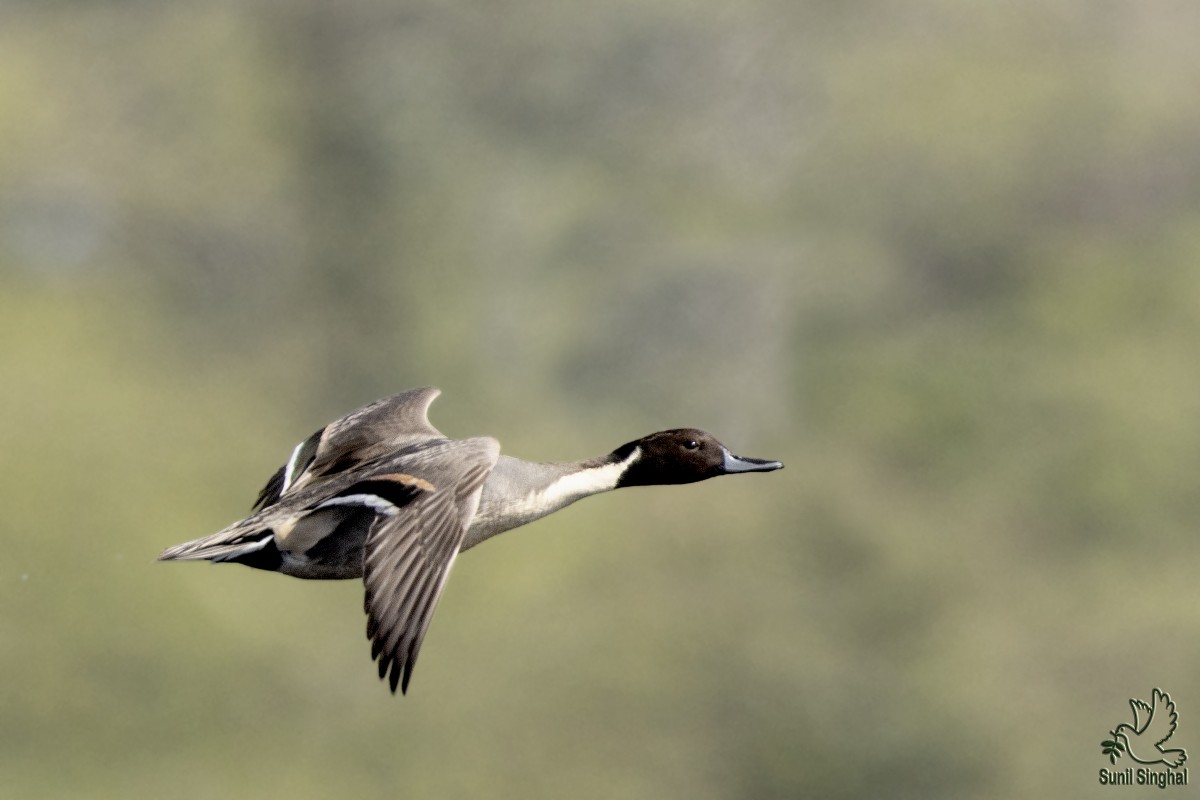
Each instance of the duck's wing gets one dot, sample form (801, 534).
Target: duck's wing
(1161, 725)
(408, 554)
(385, 426)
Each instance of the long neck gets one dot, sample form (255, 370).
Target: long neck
(517, 492)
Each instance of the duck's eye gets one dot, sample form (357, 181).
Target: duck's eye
(692, 444)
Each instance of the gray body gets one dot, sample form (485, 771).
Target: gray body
(515, 493)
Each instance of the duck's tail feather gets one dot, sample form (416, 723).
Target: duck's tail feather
(254, 548)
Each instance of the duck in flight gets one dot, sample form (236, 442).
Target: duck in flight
(382, 495)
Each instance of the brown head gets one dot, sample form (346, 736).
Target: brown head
(682, 455)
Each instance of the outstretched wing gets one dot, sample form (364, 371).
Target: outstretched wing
(408, 555)
(1162, 723)
(1142, 712)
(383, 427)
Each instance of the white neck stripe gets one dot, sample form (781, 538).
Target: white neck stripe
(577, 485)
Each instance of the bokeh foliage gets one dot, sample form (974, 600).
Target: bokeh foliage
(938, 257)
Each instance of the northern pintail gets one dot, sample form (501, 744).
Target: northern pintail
(382, 495)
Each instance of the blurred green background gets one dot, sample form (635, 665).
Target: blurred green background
(941, 258)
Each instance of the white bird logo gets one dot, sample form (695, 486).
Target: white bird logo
(1153, 725)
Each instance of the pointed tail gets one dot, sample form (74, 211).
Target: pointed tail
(250, 545)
